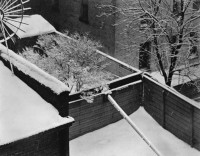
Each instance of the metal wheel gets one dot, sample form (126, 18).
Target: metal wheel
(11, 10)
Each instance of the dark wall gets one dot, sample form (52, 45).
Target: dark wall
(99, 28)
(49, 9)
(92, 116)
(59, 101)
(51, 142)
(54, 142)
(190, 90)
(173, 111)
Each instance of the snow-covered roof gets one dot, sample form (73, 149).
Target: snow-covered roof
(34, 25)
(23, 112)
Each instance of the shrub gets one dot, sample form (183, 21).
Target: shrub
(74, 63)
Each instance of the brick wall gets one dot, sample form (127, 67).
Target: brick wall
(124, 38)
(175, 112)
(99, 28)
(54, 142)
(46, 9)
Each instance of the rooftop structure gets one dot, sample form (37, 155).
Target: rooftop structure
(30, 123)
(34, 25)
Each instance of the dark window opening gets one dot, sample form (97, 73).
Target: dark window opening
(176, 7)
(55, 6)
(84, 12)
(193, 50)
(144, 55)
(196, 5)
(145, 22)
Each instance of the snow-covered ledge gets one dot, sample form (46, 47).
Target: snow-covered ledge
(32, 70)
(48, 87)
(29, 124)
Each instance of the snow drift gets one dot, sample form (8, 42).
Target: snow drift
(119, 139)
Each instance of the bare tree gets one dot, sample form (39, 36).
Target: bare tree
(171, 26)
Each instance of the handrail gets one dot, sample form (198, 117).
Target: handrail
(128, 67)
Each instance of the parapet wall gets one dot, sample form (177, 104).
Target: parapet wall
(48, 143)
(49, 88)
(118, 67)
(52, 141)
(115, 66)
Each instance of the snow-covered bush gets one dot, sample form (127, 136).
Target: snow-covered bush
(74, 63)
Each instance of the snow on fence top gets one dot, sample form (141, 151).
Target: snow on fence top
(23, 112)
(172, 90)
(33, 71)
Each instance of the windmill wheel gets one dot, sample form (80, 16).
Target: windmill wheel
(11, 11)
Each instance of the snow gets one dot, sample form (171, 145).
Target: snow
(119, 139)
(23, 112)
(33, 71)
(177, 80)
(192, 73)
(34, 25)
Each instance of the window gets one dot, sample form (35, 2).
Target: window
(193, 50)
(55, 6)
(144, 55)
(196, 5)
(145, 22)
(84, 12)
(176, 7)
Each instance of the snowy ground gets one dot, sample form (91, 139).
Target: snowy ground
(22, 111)
(119, 139)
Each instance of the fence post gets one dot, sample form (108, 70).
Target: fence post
(163, 109)
(192, 126)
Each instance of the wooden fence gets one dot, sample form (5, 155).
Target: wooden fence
(173, 111)
(92, 116)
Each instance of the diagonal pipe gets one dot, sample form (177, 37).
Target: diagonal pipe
(128, 119)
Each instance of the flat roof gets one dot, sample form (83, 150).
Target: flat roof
(34, 25)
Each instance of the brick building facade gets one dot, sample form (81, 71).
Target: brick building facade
(83, 16)
(50, 9)
(78, 16)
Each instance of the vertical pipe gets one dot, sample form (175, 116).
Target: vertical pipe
(126, 117)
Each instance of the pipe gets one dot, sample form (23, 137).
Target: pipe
(127, 118)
